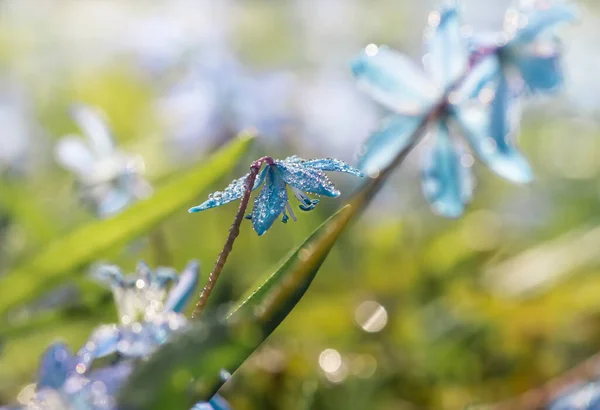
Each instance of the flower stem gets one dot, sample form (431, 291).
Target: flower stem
(234, 231)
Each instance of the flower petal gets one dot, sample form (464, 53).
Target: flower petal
(490, 121)
(103, 341)
(332, 164)
(394, 81)
(235, 190)
(448, 56)
(55, 366)
(540, 71)
(94, 127)
(580, 396)
(541, 19)
(180, 294)
(216, 403)
(72, 153)
(270, 202)
(394, 136)
(446, 183)
(306, 179)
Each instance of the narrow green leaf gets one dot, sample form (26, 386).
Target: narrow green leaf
(83, 245)
(206, 351)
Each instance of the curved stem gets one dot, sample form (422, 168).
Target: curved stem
(234, 231)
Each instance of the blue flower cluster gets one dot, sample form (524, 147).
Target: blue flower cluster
(470, 88)
(148, 316)
(301, 175)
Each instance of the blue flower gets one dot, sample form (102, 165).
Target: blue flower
(455, 98)
(580, 397)
(109, 180)
(301, 175)
(528, 46)
(148, 314)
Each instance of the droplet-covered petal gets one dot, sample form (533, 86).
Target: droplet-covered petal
(447, 184)
(394, 136)
(394, 81)
(180, 294)
(332, 164)
(55, 366)
(270, 202)
(447, 56)
(529, 23)
(235, 190)
(490, 122)
(306, 179)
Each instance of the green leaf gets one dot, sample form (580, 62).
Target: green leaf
(79, 248)
(206, 351)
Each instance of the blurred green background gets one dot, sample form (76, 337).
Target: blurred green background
(410, 310)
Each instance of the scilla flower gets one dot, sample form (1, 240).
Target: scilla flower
(109, 180)
(527, 52)
(454, 99)
(148, 314)
(299, 174)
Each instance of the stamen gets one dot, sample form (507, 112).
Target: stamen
(290, 210)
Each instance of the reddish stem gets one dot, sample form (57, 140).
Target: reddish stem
(234, 231)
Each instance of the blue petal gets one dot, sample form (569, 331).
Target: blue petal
(490, 122)
(394, 81)
(448, 55)
(540, 72)
(394, 136)
(270, 202)
(103, 341)
(216, 403)
(586, 397)
(446, 183)
(55, 366)
(234, 191)
(542, 19)
(92, 123)
(306, 179)
(180, 294)
(332, 164)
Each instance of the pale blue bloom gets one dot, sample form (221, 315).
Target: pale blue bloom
(581, 397)
(301, 175)
(109, 180)
(149, 315)
(528, 47)
(454, 96)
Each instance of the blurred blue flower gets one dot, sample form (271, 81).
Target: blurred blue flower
(528, 51)
(456, 97)
(148, 314)
(109, 180)
(301, 175)
(583, 397)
